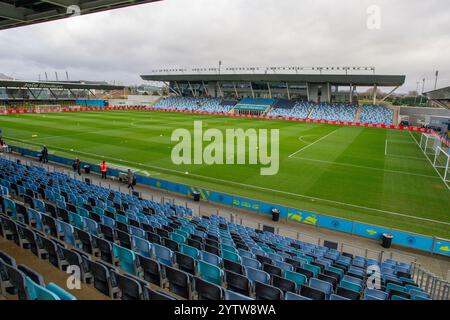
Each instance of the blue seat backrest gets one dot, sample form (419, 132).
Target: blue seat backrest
(61, 293)
(257, 275)
(211, 258)
(37, 292)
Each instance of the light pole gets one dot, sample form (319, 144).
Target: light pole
(220, 64)
(417, 92)
(423, 89)
(435, 81)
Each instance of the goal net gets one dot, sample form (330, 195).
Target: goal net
(47, 108)
(429, 144)
(3, 110)
(442, 161)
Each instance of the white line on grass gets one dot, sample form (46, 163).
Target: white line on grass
(263, 188)
(406, 157)
(308, 135)
(398, 156)
(83, 133)
(311, 144)
(366, 167)
(437, 171)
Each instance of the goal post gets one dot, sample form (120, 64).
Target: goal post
(47, 108)
(429, 143)
(442, 162)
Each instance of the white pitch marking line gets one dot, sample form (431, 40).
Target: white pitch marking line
(399, 156)
(82, 133)
(437, 171)
(311, 144)
(406, 157)
(277, 191)
(365, 167)
(308, 135)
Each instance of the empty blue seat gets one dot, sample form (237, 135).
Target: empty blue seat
(61, 293)
(232, 256)
(252, 263)
(37, 292)
(354, 280)
(10, 207)
(66, 231)
(177, 237)
(90, 226)
(350, 286)
(211, 258)
(126, 257)
(321, 285)
(258, 275)
(76, 220)
(142, 246)
(135, 231)
(35, 219)
(163, 254)
(381, 295)
(284, 266)
(297, 278)
(190, 251)
(210, 272)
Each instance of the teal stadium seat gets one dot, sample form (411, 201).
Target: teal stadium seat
(210, 272)
(127, 259)
(61, 293)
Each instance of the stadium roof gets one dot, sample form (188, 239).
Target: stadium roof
(16, 13)
(439, 94)
(335, 79)
(58, 85)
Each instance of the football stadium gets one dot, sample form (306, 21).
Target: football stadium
(225, 183)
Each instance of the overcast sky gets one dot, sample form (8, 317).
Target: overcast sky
(121, 44)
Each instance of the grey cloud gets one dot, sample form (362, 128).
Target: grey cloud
(121, 44)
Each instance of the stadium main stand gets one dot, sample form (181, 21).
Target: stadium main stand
(126, 244)
(284, 108)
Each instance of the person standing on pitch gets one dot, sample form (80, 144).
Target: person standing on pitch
(130, 179)
(104, 169)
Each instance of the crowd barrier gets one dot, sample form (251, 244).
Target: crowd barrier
(113, 108)
(400, 238)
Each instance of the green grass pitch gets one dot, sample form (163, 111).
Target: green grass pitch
(371, 175)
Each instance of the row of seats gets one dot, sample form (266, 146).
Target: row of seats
(201, 257)
(300, 110)
(193, 104)
(376, 115)
(25, 283)
(284, 108)
(334, 112)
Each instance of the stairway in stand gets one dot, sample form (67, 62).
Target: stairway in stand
(358, 114)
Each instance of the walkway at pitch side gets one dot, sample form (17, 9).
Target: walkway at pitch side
(439, 265)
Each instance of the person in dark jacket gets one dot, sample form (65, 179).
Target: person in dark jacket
(44, 154)
(77, 166)
(130, 179)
